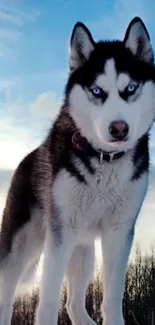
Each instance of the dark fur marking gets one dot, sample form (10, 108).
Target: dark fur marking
(87, 164)
(63, 151)
(20, 200)
(69, 165)
(141, 157)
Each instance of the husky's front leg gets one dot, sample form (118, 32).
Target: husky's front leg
(116, 245)
(56, 258)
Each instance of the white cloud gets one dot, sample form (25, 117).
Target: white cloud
(152, 142)
(15, 142)
(19, 135)
(46, 105)
(5, 178)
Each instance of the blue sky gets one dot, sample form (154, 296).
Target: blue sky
(34, 44)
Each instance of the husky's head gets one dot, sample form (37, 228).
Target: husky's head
(111, 88)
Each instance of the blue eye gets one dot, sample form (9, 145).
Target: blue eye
(97, 92)
(131, 88)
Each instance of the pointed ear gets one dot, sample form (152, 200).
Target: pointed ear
(137, 40)
(81, 46)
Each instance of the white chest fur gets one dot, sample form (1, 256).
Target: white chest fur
(87, 205)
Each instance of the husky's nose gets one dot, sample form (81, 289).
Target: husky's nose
(118, 129)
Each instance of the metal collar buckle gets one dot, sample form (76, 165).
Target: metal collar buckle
(111, 156)
(101, 156)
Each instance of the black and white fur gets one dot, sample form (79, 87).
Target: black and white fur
(61, 198)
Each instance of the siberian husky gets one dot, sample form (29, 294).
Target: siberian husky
(87, 180)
